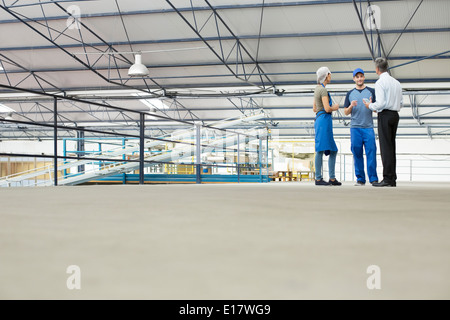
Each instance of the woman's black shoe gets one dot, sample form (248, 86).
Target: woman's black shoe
(322, 183)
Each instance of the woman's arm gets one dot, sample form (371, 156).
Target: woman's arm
(314, 107)
(326, 105)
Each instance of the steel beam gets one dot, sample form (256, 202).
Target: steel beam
(5, 64)
(218, 7)
(370, 43)
(230, 38)
(173, 91)
(404, 29)
(288, 94)
(88, 65)
(209, 109)
(45, 94)
(233, 59)
(55, 142)
(141, 148)
(166, 124)
(420, 59)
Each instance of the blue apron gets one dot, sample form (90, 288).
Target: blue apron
(323, 126)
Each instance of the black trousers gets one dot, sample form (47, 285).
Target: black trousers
(387, 130)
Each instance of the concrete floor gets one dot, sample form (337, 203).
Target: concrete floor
(269, 241)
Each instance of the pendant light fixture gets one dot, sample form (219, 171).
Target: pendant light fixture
(138, 69)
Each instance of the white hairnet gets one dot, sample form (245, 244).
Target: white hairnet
(322, 74)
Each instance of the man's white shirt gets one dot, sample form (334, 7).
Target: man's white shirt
(389, 94)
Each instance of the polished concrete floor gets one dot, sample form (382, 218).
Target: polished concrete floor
(269, 241)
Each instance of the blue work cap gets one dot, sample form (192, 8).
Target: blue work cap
(358, 70)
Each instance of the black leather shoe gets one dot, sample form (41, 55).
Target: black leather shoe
(384, 184)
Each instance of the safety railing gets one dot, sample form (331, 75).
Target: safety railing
(410, 167)
(237, 153)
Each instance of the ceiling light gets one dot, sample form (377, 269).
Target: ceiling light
(152, 103)
(138, 69)
(5, 109)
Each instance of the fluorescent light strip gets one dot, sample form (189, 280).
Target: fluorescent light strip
(152, 103)
(5, 109)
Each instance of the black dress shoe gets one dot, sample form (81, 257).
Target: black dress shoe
(384, 184)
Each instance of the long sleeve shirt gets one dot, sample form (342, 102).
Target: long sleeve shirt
(389, 94)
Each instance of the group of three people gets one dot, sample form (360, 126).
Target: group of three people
(360, 102)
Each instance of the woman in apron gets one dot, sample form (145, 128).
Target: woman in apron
(323, 107)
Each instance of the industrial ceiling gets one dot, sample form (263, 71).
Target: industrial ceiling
(211, 60)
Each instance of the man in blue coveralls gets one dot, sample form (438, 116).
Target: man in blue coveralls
(361, 131)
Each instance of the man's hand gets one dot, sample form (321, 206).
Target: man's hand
(367, 102)
(354, 103)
